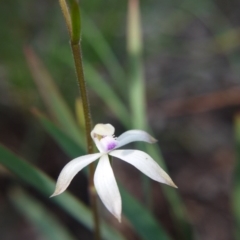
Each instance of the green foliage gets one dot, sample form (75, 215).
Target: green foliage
(142, 220)
(45, 185)
(122, 93)
(52, 98)
(39, 216)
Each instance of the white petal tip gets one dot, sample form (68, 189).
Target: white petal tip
(118, 215)
(119, 218)
(54, 195)
(57, 192)
(153, 140)
(171, 183)
(174, 185)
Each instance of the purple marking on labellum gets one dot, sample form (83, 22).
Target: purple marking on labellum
(111, 145)
(108, 143)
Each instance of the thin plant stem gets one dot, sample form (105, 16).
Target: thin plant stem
(76, 50)
(77, 55)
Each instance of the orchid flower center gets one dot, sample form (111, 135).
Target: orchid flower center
(108, 142)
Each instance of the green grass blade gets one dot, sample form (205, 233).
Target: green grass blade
(177, 208)
(94, 37)
(141, 219)
(136, 80)
(56, 104)
(40, 181)
(138, 109)
(136, 77)
(48, 226)
(135, 212)
(104, 91)
(52, 98)
(60, 136)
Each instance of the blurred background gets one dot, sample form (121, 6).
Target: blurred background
(191, 59)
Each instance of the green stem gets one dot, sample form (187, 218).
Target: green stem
(76, 50)
(77, 54)
(73, 21)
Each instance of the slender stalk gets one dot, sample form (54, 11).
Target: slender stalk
(77, 54)
(76, 50)
(73, 22)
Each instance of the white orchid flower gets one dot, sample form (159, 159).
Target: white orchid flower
(104, 180)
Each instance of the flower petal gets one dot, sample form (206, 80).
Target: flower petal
(98, 145)
(106, 186)
(134, 136)
(101, 130)
(71, 169)
(145, 164)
